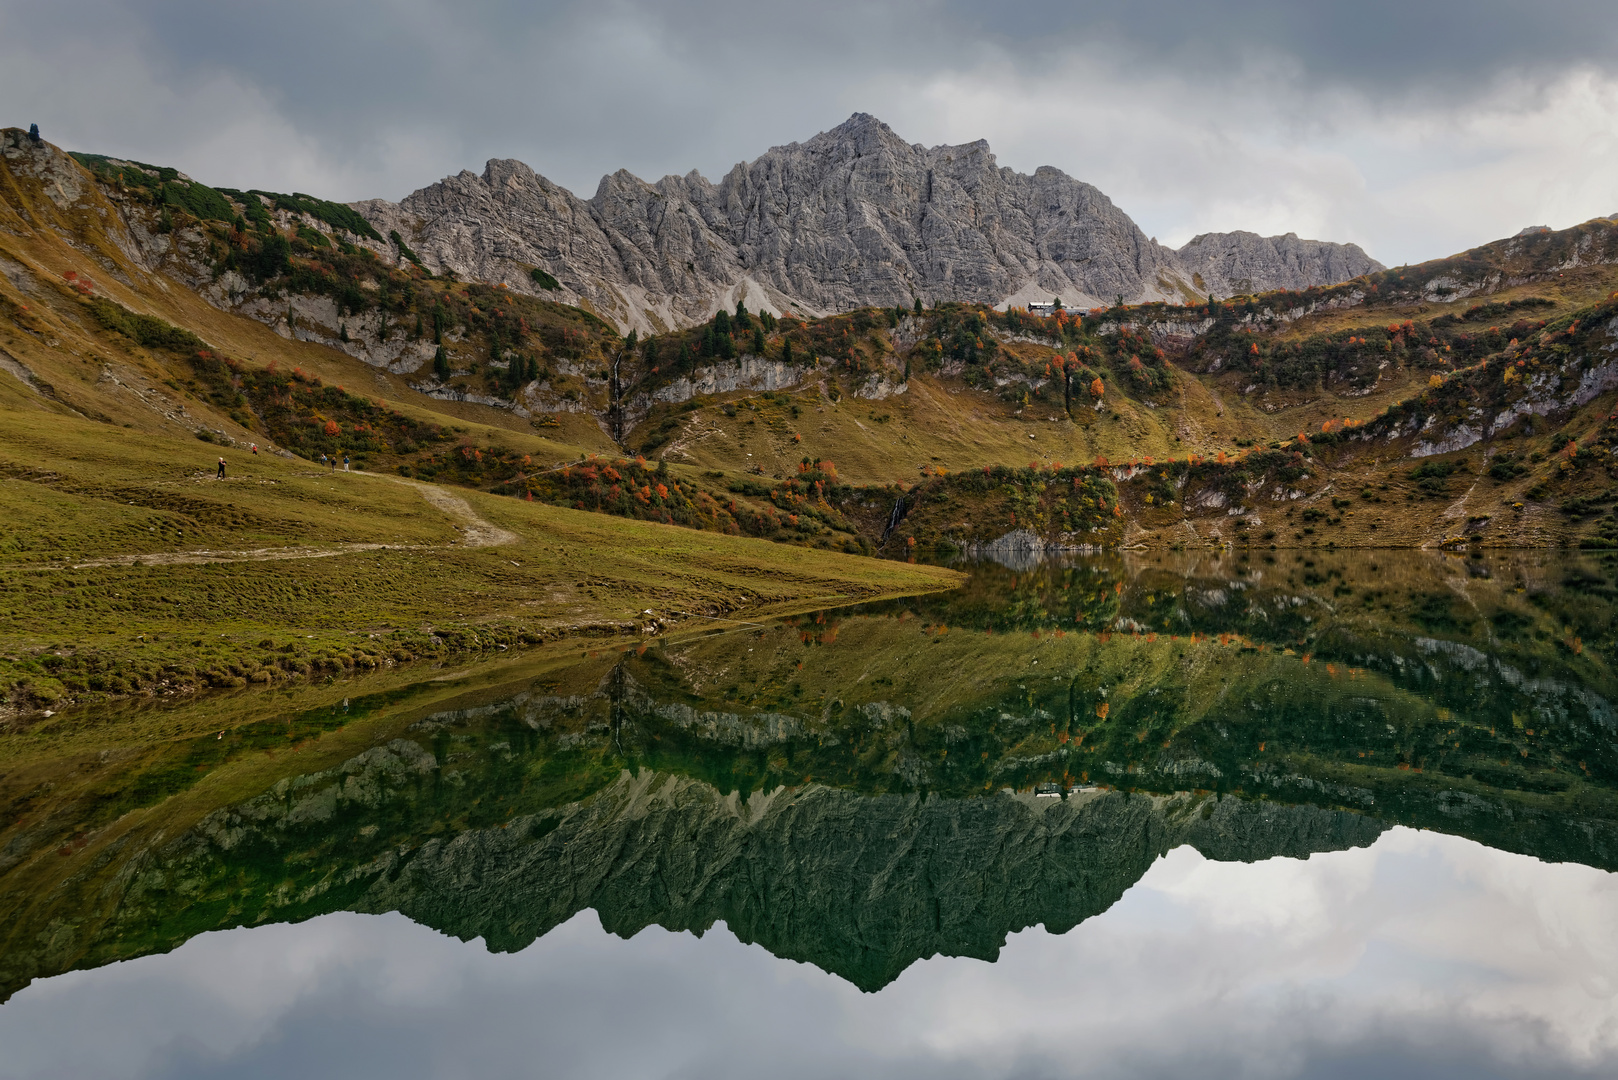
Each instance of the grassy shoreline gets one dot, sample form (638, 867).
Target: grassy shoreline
(382, 610)
(125, 570)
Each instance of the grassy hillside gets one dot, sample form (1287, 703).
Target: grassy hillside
(1155, 382)
(150, 324)
(125, 566)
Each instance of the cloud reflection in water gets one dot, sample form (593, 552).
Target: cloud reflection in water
(1420, 955)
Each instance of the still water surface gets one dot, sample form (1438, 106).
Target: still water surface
(1298, 814)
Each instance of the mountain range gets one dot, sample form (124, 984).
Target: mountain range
(853, 217)
(151, 325)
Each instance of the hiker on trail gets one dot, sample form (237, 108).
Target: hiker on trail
(221, 469)
(334, 463)
(255, 448)
(345, 462)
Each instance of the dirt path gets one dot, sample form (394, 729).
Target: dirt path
(475, 532)
(1456, 511)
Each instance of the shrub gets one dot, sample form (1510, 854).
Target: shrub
(269, 258)
(1430, 475)
(313, 237)
(404, 249)
(162, 185)
(145, 330)
(1506, 467)
(334, 214)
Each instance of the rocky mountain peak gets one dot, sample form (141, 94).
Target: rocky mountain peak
(859, 126)
(615, 184)
(853, 216)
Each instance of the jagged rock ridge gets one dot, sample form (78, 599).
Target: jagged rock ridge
(853, 216)
(860, 886)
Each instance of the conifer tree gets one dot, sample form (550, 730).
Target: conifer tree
(521, 372)
(758, 340)
(441, 365)
(918, 305)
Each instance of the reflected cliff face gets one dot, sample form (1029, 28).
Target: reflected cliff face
(864, 788)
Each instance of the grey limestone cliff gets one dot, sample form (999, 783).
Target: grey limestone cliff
(1244, 262)
(853, 216)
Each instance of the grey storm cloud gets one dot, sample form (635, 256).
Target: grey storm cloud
(1382, 48)
(370, 59)
(1344, 121)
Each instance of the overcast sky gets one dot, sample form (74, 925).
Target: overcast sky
(1423, 955)
(1413, 127)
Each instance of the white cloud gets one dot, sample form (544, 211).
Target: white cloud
(1418, 180)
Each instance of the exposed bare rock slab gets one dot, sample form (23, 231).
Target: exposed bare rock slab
(853, 216)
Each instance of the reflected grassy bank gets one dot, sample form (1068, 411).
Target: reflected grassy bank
(857, 787)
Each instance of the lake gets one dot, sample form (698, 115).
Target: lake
(1274, 814)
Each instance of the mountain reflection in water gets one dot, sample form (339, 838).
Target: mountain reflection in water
(865, 788)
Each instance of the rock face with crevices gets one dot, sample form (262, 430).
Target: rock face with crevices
(1226, 264)
(854, 216)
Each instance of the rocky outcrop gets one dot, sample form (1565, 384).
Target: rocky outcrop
(1578, 378)
(853, 216)
(746, 372)
(365, 335)
(1228, 264)
(1020, 549)
(61, 180)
